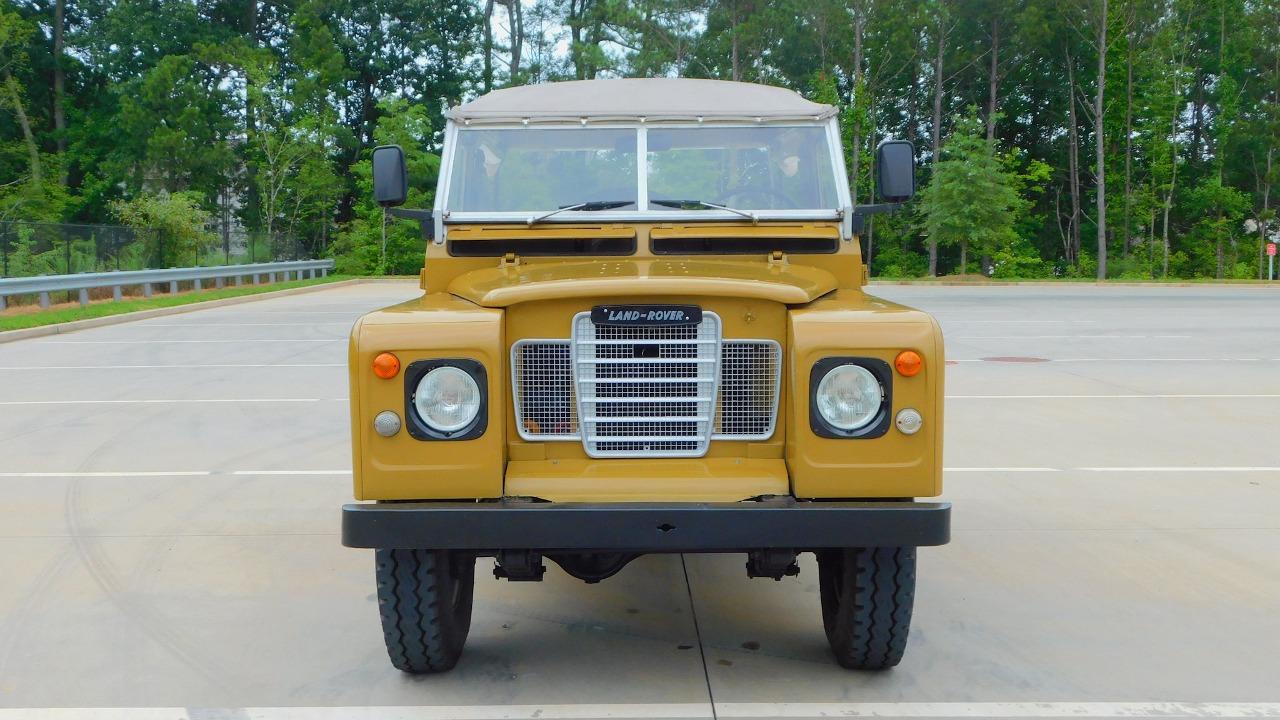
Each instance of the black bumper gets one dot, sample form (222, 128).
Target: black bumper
(487, 527)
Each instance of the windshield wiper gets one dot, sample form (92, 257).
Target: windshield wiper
(681, 204)
(589, 206)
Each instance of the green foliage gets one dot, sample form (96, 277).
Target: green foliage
(269, 116)
(171, 226)
(971, 201)
(361, 249)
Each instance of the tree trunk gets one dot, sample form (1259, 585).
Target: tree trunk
(1197, 119)
(577, 9)
(855, 139)
(937, 129)
(59, 81)
(253, 200)
(1073, 164)
(486, 73)
(993, 79)
(517, 36)
(1265, 215)
(1099, 134)
(1128, 141)
(33, 150)
(733, 41)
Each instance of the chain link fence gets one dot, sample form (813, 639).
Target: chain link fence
(29, 249)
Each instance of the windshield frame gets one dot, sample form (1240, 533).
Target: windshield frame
(643, 213)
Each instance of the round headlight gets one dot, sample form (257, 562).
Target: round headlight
(447, 399)
(849, 397)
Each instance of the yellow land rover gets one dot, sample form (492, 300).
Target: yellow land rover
(643, 330)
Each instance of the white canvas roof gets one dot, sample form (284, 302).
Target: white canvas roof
(633, 99)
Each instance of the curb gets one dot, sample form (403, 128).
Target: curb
(74, 325)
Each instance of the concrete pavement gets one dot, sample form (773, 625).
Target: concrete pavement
(170, 492)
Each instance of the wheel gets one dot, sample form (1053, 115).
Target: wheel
(424, 597)
(867, 595)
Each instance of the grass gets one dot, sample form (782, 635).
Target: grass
(20, 318)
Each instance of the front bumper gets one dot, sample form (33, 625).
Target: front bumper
(487, 527)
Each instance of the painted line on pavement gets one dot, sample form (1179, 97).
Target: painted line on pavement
(220, 324)
(170, 401)
(1186, 468)
(1124, 360)
(678, 710)
(1071, 337)
(163, 341)
(1002, 469)
(1117, 397)
(1001, 709)
(168, 473)
(171, 366)
(141, 473)
(290, 472)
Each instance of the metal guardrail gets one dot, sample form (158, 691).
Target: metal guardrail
(84, 282)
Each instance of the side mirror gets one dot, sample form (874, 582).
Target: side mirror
(896, 170)
(390, 177)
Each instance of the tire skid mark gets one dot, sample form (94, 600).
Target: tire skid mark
(133, 606)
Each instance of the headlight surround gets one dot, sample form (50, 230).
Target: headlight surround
(446, 399)
(850, 397)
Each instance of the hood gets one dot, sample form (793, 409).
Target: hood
(756, 279)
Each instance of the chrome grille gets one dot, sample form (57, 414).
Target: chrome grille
(750, 372)
(646, 406)
(646, 391)
(542, 386)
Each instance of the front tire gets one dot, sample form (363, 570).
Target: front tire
(424, 598)
(867, 594)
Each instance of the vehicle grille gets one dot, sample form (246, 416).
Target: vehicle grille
(750, 371)
(646, 391)
(545, 400)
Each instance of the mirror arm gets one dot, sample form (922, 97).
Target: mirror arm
(861, 212)
(424, 217)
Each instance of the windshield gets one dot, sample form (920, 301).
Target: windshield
(542, 170)
(749, 168)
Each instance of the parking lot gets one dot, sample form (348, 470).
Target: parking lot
(169, 534)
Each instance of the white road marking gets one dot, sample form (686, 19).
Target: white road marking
(170, 401)
(1000, 709)
(1002, 469)
(140, 473)
(167, 473)
(1123, 360)
(1240, 396)
(678, 710)
(218, 324)
(163, 341)
(1070, 337)
(159, 367)
(1186, 468)
(291, 472)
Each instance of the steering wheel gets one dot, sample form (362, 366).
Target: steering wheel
(760, 192)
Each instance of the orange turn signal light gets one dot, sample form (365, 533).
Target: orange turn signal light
(386, 365)
(909, 363)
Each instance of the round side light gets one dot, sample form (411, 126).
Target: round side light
(909, 421)
(909, 363)
(386, 365)
(386, 423)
